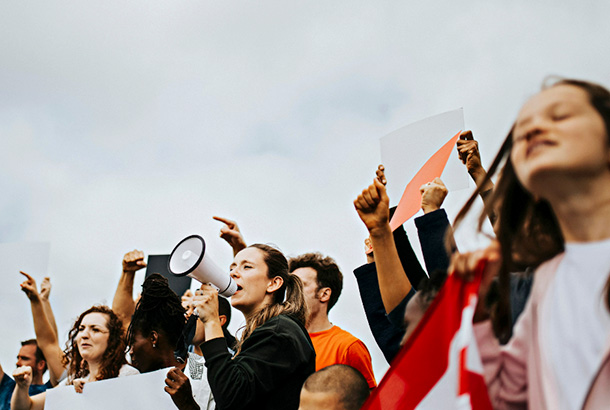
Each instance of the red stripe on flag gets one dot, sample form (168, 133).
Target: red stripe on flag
(424, 359)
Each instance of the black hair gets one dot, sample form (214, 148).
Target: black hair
(158, 309)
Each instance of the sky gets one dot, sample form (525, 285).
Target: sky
(128, 125)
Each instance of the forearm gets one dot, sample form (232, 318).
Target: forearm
(123, 304)
(21, 399)
(393, 283)
(46, 305)
(46, 338)
(479, 176)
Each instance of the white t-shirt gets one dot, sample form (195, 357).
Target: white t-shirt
(197, 373)
(575, 320)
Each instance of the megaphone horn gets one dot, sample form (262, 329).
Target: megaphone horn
(190, 259)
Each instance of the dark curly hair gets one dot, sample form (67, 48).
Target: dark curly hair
(158, 309)
(328, 274)
(114, 356)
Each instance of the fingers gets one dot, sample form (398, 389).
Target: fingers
(231, 224)
(133, 261)
(23, 375)
(380, 174)
(26, 275)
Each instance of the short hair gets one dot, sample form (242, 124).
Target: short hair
(328, 273)
(39, 355)
(346, 382)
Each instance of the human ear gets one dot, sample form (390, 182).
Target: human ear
(154, 338)
(324, 294)
(275, 284)
(222, 319)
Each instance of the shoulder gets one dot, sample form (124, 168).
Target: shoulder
(544, 274)
(282, 329)
(345, 336)
(127, 370)
(282, 324)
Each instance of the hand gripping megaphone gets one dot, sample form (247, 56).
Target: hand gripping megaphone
(189, 259)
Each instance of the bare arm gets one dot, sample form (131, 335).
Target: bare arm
(468, 150)
(372, 206)
(21, 399)
(122, 303)
(45, 292)
(45, 334)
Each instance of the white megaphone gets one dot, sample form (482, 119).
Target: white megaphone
(189, 259)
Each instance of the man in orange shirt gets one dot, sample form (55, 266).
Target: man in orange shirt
(322, 282)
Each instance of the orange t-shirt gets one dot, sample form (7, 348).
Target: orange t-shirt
(336, 346)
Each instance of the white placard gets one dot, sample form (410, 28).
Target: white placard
(144, 391)
(406, 150)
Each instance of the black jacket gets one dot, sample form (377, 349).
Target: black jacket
(269, 371)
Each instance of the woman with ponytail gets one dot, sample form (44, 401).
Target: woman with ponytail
(553, 202)
(275, 354)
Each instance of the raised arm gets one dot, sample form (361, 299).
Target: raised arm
(468, 151)
(46, 338)
(122, 303)
(230, 232)
(372, 206)
(21, 399)
(45, 292)
(433, 227)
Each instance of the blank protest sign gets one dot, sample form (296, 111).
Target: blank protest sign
(406, 150)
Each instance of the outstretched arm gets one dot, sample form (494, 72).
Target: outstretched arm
(45, 292)
(372, 206)
(231, 233)
(45, 334)
(123, 304)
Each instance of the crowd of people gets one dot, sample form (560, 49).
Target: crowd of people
(542, 321)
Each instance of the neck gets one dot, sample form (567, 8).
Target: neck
(318, 321)
(37, 379)
(167, 359)
(250, 313)
(94, 368)
(582, 208)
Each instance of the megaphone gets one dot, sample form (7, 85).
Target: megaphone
(189, 259)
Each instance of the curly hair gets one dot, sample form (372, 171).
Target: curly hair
(328, 274)
(114, 356)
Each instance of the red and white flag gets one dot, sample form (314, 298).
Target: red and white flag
(439, 367)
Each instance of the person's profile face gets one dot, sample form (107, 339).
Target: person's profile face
(558, 132)
(250, 273)
(27, 357)
(309, 277)
(142, 353)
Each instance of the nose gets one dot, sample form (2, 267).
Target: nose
(234, 273)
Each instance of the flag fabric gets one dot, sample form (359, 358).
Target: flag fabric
(439, 367)
(410, 201)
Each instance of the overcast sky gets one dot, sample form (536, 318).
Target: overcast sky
(129, 124)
